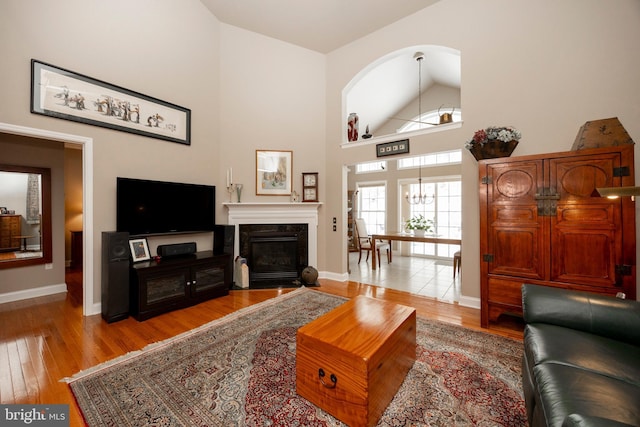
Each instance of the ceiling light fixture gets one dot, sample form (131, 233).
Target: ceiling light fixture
(419, 199)
(419, 56)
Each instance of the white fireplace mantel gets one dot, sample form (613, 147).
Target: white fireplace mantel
(276, 213)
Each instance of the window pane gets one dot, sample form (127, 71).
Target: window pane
(445, 210)
(372, 202)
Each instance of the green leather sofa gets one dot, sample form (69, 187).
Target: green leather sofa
(581, 364)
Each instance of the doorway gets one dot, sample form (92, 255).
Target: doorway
(73, 209)
(86, 146)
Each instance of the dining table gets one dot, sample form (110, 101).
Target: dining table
(407, 237)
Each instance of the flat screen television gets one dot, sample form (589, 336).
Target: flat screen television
(147, 207)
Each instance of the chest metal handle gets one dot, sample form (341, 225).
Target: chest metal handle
(332, 377)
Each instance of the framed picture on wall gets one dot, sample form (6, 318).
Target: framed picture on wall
(64, 94)
(139, 250)
(273, 172)
(310, 186)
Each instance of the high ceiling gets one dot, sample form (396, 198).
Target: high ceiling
(320, 25)
(326, 25)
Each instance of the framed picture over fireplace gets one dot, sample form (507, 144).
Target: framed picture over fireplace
(273, 172)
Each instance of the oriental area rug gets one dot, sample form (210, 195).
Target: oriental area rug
(240, 371)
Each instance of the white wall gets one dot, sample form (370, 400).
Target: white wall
(545, 67)
(272, 97)
(162, 48)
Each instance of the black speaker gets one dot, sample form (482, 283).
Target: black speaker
(223, 240)
(115, 276)
(177, 249)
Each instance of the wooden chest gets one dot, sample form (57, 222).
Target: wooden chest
(351, 361)
(601, 133)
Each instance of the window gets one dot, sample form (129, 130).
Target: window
(434, 159)
(372, 203)
(429, 119)
(445, 211)
(371, 167)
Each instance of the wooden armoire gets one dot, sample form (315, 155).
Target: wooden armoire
(541, 223)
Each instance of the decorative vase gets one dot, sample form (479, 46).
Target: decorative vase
(352, 127)
(420, 233)
(493, 149)
(238, 191)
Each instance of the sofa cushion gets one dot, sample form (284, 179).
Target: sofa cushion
(550, 343)
(566, 390)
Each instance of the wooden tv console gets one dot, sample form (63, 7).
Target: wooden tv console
(171, 283)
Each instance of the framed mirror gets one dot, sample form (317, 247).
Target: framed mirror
(25, 216)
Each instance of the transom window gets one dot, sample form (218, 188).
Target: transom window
(378, 166)
(440, 158)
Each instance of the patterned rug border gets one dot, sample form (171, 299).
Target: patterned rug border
(159, 345)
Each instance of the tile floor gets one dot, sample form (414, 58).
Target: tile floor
(416, 275)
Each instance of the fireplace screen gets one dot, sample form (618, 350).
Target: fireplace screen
(273, 255)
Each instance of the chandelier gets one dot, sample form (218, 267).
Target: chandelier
(419, 199)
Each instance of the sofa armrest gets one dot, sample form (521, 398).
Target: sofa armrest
(597, 314)
(578, 420)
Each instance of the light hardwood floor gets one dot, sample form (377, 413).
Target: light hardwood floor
(43, 340)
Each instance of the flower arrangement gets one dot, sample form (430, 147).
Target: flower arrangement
(418, 222)
(504, 134)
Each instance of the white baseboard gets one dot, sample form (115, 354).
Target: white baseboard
(333, 276)
(96, 308)
(471, 302)
(33, 293)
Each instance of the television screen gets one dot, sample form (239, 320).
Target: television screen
(147, 207)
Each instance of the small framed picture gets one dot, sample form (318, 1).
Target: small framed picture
(310, 186)
(273, 172)
(391, 148)
(139, 250)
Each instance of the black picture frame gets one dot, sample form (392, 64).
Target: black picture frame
(392, 148)
(63, 94)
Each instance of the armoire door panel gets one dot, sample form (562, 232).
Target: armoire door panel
(514, 183)
(515, 228)
(516, 252)
(584, 257)
(586, 237)
(576, 178)
(519, 214)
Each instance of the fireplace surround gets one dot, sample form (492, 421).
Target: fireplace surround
(282, 220)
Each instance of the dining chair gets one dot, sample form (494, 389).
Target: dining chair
(457, 262)
(364, 242)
